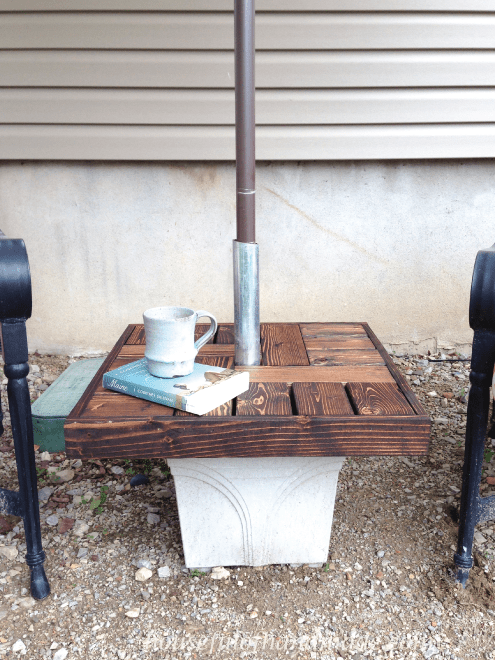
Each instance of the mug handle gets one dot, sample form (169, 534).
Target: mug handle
(209, 333)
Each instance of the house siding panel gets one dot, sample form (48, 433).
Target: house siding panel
(123, 79)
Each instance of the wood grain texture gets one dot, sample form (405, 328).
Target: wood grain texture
(339, 358)
(317, 330)
(265, 399)
(108, 405)
(257, 435)
(321, 399)
(224, 361)
(378, 399)
(225, 334)
(91, 433)
(137, 336)
(137, 351)
(338, 342)
(222, 411)
(317, 374)
(282, 345)
(398, 377)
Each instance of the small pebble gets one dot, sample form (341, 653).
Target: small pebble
(9, 552)
(61, 654)
(143, 574)
(18, 646)
(152, 518)
(62, 476)
(219, 573)
(133, 613)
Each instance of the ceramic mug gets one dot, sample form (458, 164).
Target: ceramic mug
(170, 346)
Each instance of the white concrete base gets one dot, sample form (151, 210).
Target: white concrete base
(255, 511)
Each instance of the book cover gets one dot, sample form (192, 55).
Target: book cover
(206, 388)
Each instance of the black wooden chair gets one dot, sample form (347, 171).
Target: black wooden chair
(474, 508)
(15, 308)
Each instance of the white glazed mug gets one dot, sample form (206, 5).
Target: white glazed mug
(170, 346)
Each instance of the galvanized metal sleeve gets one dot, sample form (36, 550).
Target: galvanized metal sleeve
(246, 304)
(244, 117)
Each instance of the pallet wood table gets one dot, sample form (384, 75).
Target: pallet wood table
(256, 478)
(324, 389)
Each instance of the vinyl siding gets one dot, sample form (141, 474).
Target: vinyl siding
(336, 79)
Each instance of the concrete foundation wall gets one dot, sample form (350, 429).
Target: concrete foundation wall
(391, 243)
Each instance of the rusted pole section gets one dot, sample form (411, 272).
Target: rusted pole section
(246, 257)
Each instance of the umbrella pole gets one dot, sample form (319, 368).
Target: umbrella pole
(246, 253)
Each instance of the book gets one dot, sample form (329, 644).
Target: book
(206, 388)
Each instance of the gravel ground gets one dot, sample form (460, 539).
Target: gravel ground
(387, 590)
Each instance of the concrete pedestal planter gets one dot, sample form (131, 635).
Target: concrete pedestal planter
(255, 511)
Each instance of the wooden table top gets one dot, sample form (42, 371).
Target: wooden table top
(324, 389)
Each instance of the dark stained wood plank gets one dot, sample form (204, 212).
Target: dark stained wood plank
(398, 377)
(378, 399)
(315, 330)
(341, 358)
(108, 405)
(257, 435)
(137, 336)
(208, 349)
(96, 380)
(338, 342)
(282, 345)
(225, 334)
(320, 399)
(318, 374)
(265, 399)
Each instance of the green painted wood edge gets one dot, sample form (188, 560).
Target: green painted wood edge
(51, 409)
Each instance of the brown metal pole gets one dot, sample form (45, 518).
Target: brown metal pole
(244, 119)
(245, 248)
